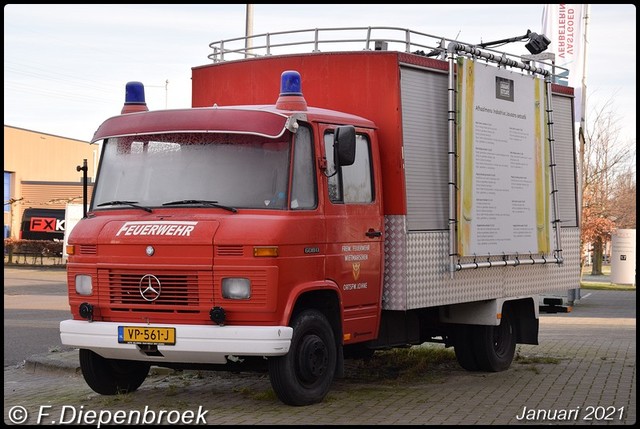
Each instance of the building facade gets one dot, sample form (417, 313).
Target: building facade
(41, 171)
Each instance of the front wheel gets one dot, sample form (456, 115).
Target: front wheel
(304, 375)
(111, 376)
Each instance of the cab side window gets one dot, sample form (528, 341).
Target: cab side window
(303, 187)
(350, 184)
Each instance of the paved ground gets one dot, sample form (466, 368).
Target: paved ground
(583, 372)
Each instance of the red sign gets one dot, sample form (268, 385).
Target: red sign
(46, 224)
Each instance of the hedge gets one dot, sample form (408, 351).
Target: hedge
(33, 250)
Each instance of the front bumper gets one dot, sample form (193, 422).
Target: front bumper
(194, 343)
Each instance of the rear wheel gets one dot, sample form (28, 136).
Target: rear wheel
(304, 375)
(112, 376)
(495, 346)
(463, 346)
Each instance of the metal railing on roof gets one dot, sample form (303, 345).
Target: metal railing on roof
(344, 39)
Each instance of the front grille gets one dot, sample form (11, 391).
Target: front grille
(178, 292)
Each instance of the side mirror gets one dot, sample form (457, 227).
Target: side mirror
(344, 145)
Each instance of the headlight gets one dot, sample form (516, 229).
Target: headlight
(236, 288)
(84, 285)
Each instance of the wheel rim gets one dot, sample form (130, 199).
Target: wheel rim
(313, 359)
(502, 338)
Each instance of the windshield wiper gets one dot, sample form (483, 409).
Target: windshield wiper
(125, 203)
(203, 202)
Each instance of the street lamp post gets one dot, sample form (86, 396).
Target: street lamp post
(248, 30)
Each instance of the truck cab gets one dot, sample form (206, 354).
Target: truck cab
(220, 232)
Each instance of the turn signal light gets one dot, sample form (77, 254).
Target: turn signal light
(271, 251)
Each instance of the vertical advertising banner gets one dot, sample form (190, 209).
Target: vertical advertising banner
(503, 180)
(565, 26)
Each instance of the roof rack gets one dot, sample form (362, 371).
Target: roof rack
(346, 39)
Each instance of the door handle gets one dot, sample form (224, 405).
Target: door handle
(372, 233)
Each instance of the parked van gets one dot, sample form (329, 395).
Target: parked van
(42, 224)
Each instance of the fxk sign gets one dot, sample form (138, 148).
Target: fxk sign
(46, 224)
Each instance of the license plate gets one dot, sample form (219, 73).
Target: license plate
(146, 335)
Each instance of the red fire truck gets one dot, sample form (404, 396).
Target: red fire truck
(312, 207)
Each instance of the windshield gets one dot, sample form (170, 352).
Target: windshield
(237, 171)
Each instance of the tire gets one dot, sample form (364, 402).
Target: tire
(111, 376)
(304, 375)
(464, 347)
(495, 346)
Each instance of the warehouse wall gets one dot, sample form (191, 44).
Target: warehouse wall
(40, 172)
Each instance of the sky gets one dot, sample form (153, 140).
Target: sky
(66, 66)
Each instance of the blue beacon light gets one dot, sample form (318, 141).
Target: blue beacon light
(134, 100)
(134, 93)
(291, 92)
(290, 83)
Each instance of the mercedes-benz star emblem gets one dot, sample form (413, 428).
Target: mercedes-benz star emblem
(150, 287)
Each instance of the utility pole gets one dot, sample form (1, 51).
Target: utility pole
(583, 107)
(248, 30)
(166, 94)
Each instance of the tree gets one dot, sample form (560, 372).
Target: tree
(608, 176)
(623, 209)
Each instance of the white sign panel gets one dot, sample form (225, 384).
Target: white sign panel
(503, 182)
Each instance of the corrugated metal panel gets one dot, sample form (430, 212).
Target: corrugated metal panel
(417, 271)
(424, 117)
(565, 160)
(49, 196)
(424, 133)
